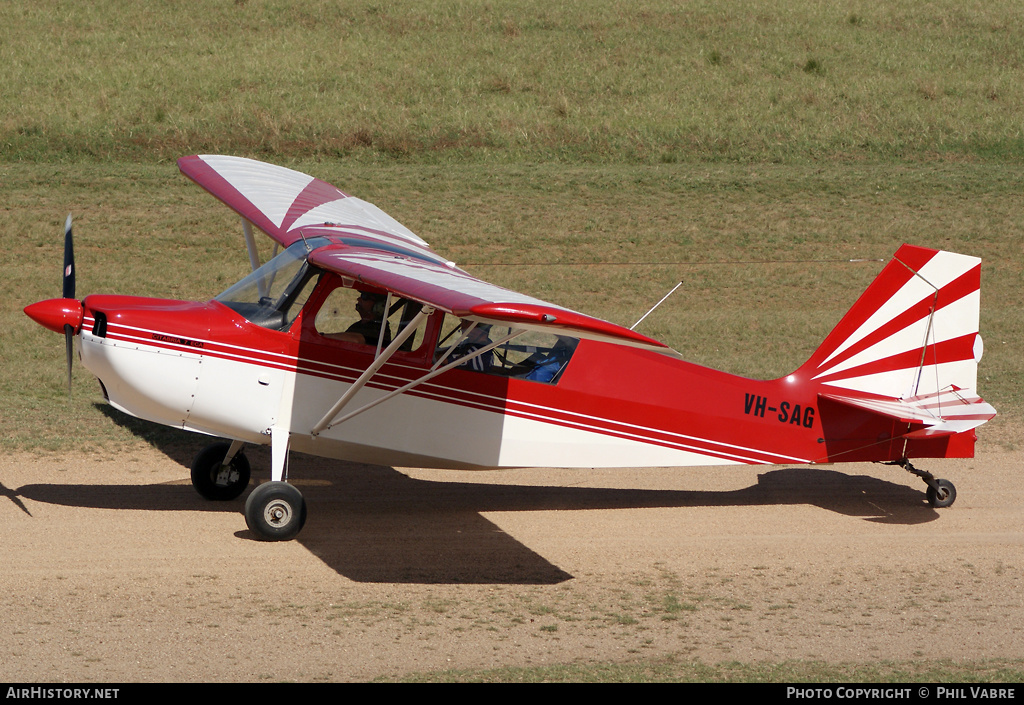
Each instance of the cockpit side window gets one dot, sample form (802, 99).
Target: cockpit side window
(534, 356)
(353, 316)
(296, 296)
(538, 357)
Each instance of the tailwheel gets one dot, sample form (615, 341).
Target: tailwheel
(941, 494)
(275, 511)
(214, 480)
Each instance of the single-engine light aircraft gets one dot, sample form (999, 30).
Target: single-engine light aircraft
(356, 341)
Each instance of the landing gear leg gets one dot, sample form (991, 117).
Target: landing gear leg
(941, 493)
(276, 510)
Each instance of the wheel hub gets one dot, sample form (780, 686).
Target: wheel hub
(226, 476)
(278, 513)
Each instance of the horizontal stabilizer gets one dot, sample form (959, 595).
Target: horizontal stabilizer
(946, 412)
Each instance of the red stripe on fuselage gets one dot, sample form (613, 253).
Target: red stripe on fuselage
(488, 393)
(606, 389)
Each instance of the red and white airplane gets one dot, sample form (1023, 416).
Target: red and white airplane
(466, 374)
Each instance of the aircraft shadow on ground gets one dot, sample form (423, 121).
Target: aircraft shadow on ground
(178, 445)
(376, 524)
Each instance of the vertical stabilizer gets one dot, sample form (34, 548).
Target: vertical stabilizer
(914, 332)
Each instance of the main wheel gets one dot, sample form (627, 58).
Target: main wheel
(275, 511)
(943, 496)
(214, 481)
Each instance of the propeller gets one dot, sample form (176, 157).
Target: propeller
(64, 315)
(69, 293)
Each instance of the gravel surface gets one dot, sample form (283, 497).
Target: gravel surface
(114, 570)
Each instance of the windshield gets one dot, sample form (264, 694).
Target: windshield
(273, 295)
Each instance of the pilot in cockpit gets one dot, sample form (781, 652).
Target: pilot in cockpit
(477, 338)
(366, 331)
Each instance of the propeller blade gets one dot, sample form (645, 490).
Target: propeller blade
(69, 263)
(69, 344)
(69, 293)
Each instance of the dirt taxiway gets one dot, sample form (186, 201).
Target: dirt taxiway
(114, 570)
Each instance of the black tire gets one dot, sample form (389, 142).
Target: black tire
(944, 496)
(213, 484)
(275, 511)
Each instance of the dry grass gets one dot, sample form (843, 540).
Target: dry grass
(442, 81)
(763, 254)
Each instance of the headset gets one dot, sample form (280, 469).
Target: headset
(379, 302)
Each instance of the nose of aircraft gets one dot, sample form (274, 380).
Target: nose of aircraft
(54, 314)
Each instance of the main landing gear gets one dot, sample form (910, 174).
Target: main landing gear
(941, 493)
(274, 511)
(220, 472)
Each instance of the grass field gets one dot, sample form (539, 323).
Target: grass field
(589, 153)
(804, 672)
(575, 82)
(763, 252)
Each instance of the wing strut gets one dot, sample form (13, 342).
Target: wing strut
(254, 255)
(250, 244)
(328, 421)
(262, 286)
(370, 371)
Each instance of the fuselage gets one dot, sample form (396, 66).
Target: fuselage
(204, 367)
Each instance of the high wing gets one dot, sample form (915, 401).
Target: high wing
(373, 248)
(281, 201)
(450, 289)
